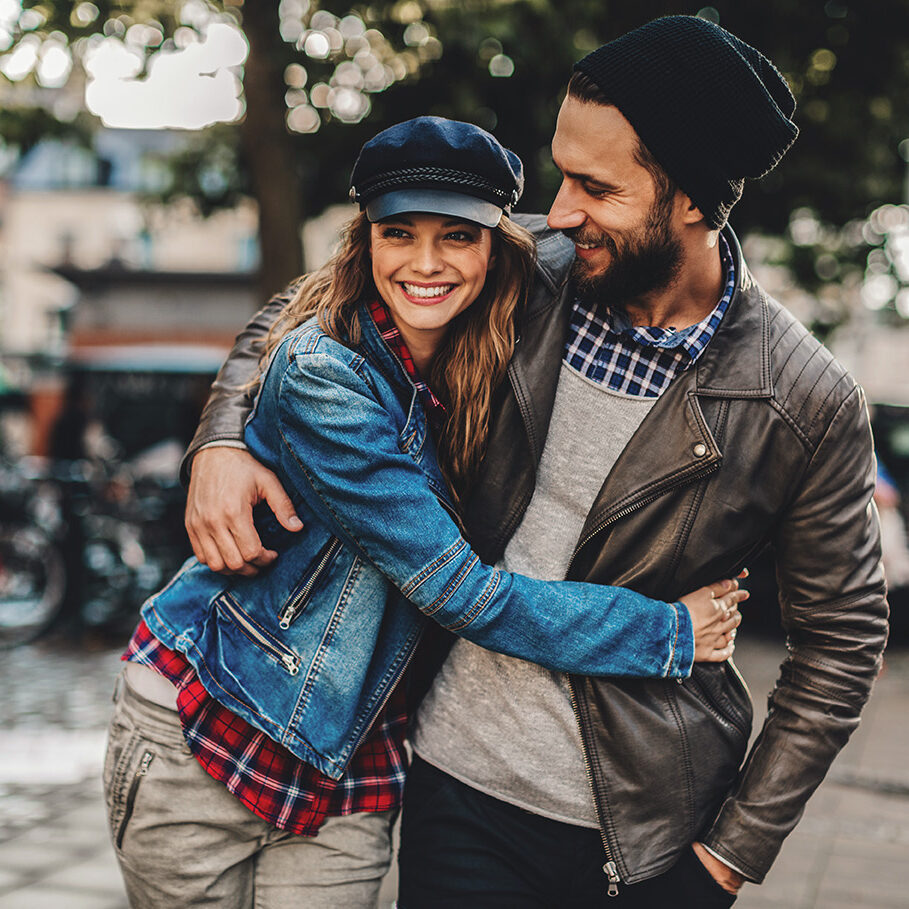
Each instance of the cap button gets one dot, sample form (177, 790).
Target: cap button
(699, 450)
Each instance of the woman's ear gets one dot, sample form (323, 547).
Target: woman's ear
(494, 251)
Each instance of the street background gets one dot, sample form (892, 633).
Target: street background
(166, 166)
(850, 851)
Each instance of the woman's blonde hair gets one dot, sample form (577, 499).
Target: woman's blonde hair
(472, 359)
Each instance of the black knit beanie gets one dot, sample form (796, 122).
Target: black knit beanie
(711, 109)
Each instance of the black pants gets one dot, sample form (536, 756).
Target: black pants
(461, 849)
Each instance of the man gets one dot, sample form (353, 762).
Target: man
(664, 421)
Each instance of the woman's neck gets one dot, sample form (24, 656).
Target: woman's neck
(422, 346)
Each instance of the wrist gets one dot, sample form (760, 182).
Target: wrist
(726, 876)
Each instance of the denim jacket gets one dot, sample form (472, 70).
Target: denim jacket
(309, 650)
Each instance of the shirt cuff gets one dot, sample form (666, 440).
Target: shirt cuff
(725, 861)
(223, 443)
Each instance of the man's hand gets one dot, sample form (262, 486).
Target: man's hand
(224, 485)
(731, 881)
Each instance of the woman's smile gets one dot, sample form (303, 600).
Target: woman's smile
(426, 294)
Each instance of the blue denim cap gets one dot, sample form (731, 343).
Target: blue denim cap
(438, 166)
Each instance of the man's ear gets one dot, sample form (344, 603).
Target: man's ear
(690, 213)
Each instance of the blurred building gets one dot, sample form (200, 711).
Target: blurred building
(94, 279)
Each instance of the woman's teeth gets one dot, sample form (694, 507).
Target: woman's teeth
(415, 290)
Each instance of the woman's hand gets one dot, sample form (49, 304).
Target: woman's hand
(715, 616)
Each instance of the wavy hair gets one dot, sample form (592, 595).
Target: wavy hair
(473, 357)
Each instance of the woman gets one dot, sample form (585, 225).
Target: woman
(285, 687)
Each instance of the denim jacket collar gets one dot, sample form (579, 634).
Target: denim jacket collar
(415, 435)
(379, 353)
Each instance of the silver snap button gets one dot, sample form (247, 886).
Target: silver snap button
(700, 450)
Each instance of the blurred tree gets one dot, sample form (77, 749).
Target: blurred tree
(321, 78)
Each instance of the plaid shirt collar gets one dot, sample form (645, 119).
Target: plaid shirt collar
(641, 360)
(381, 316)
(692, 340)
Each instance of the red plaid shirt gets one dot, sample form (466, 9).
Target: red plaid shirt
(273, 783)
(381, 315)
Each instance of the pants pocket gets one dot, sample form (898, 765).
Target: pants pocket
(702, 886)
(134, 742)
(126, 762)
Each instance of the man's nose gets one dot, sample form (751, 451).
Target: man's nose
(565, 212)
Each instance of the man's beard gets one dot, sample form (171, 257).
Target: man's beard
(648, 259)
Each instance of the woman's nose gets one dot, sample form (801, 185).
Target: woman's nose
(427, 259)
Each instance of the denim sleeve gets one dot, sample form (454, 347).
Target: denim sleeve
(340, 451)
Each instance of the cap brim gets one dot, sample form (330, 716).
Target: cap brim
(434, 202)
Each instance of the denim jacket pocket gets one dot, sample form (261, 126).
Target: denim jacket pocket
(312, 581)
(248, 626)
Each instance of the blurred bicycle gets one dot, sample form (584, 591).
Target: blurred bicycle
(82, 544)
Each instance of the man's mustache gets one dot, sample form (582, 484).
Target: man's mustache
(586, 237)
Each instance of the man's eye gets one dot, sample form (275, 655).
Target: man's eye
(597, 192)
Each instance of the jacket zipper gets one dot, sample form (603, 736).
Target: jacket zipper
(409, 658)
(141, 771)
(610, 868)
(398, 676)
(299, 600)
(634, 506)
(286, 657)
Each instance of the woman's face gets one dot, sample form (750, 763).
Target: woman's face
(427, 269)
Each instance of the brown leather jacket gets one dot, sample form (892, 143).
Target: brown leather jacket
(766, 440)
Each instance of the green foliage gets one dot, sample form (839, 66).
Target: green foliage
(848, 64)
(23, 128)
(209, 170)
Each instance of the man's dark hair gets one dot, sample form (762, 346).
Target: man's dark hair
(583, 88)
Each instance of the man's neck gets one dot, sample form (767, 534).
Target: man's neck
(691, 297)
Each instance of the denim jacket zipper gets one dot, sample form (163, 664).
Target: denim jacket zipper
(296, 604)
(284, 655)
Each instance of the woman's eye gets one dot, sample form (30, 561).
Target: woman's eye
(394, 233)
(461, 236)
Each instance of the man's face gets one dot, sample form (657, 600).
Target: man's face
(623, 226)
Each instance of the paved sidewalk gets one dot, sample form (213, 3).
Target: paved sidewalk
(850, 850)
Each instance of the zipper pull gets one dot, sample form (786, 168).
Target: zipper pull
(147, 758)
(610, 870)
(291, 664)
(286, 617)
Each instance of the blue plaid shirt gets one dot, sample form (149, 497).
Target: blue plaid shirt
(640, 361)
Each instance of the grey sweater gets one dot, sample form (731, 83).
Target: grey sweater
(502, 725)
